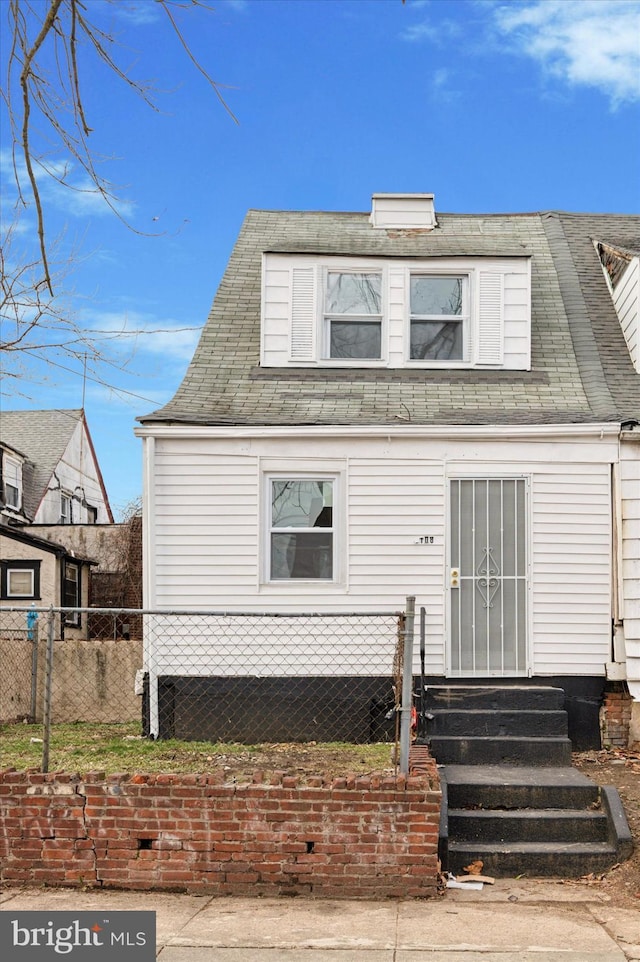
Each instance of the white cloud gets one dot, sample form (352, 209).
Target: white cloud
(581, 42)
(438, 31)
(72, 193)
(138, 332)
(137, 12)
(442, 89)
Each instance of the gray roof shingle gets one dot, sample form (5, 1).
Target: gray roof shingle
(42, 436)
(581, 369)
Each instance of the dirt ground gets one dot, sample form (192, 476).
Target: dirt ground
(615, 767)
(622, 770)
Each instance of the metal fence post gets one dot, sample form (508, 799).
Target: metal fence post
(48, 673)
(407, 686)
(32, 636)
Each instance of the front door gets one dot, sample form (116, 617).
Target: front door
(488, 577)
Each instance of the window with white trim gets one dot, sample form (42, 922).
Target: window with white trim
(439, 317)
(12, 482)
(66, 508)
(20, 580)
(301, 529)
(353, 315)
(431, 312)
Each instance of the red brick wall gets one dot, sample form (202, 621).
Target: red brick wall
(616, 715)
(367, 837)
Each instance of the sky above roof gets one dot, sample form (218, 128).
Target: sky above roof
(494, 107)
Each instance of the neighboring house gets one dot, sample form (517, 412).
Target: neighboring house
(50, 472)
(52, 490)
(38, 572)
(406, 403)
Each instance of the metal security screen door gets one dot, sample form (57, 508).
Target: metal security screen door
(488, 577)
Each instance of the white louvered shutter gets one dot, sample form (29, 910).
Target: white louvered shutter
(490, 348)
(303, 313)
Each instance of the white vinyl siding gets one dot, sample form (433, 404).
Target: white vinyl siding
(499, 334)
(626, 298)
(571, 529)
(206, 537)
(393, 503)
(630, 556)
(208, 521)
(516, 314)
(403, 211)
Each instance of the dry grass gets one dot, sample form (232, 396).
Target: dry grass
(120, 748)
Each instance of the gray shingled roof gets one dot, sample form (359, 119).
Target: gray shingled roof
(42, 437)
(581, 369)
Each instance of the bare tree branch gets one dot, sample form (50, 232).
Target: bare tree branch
(51, 132)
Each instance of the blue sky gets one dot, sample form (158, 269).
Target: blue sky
(492, 106)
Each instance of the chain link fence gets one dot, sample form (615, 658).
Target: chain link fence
(212, 676)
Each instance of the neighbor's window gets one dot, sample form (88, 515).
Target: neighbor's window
(353, 315)
(20, 580)
(12, 471)
(302, 533)
(438, 315)
(66, 508)
(71, 592)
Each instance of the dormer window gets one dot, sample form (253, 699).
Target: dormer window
(353, 315)
(439, 317)
(430, 312)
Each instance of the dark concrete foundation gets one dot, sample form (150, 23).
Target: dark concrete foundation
(332, 708)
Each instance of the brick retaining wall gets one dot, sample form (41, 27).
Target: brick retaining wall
(374, 836)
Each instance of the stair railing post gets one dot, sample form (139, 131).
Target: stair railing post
(407, 685)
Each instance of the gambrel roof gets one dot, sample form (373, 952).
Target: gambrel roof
(581, 370)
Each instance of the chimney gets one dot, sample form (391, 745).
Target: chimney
(403, 211)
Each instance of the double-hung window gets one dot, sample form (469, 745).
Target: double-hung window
(439, 317)
(66, 508)
(12, 483)
(71, 592)
(353, 315)
(301, 536)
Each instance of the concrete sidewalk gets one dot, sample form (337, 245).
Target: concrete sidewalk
(512, 921)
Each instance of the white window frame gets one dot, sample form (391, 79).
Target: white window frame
(14, 467)
(14, 566)
(467, 319)
(21, 594)
(496, 313)
(66, 498)
(327, 318)
(338, 516)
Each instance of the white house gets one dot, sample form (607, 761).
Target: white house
(409, 402)
(50, 483)
(50, 472)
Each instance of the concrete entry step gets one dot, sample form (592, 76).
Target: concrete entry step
(536, 723)
(510, 796)
(528, 825)
(513, 787)
(550, 859)
(503, 750)
(495, 697)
